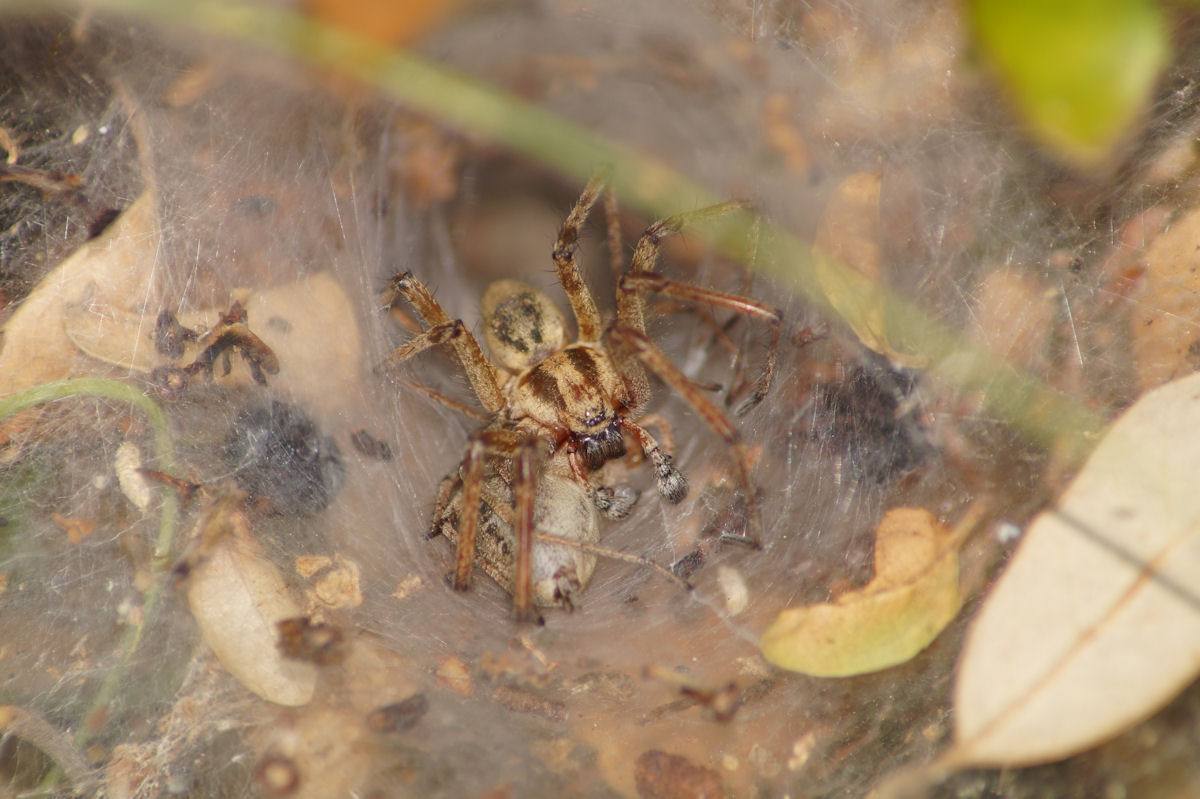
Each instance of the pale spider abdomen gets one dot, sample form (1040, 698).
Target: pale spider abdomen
(562, 508)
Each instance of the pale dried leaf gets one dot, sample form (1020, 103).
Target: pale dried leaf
(1095, 624)
(913, 597)
(109, 271)
(237, 597)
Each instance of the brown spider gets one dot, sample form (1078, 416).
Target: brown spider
(559, 411)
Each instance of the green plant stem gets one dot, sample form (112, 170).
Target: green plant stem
(1043, 414)
(164, 450)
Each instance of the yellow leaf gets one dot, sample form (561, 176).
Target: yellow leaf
(913, 597)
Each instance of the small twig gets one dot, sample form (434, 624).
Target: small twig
(48, 183)
(29, 726)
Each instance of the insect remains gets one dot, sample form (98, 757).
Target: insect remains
(231, 334)
(559, 410)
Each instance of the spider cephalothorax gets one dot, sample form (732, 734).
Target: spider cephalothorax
(560, 410)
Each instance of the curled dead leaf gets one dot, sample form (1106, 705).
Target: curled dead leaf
(107, 271)
(238, 598)
(1096, 622)
(913, 597)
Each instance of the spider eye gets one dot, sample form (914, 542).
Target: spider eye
(602, 446)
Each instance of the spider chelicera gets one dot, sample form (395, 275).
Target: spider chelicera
(558, 411)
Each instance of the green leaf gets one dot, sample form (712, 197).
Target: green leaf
(1080, 71)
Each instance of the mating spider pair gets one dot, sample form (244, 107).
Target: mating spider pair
(560, 411)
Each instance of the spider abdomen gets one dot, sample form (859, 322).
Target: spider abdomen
(562, 509)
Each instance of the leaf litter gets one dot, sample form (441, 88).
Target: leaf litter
(805, 744)
(116, 267)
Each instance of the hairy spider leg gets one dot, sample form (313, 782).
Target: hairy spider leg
(464, 550)
(633, 286)
(481, 372)
(665, 430)
(638, 284)
(631, 307)
(523, 500)
(630, 342)
(612, 229)
(447, 402)
(672, 484)
(488, 442)
(583, 304)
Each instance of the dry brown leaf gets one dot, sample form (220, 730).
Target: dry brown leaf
(1096, 623)
(1013, 317)
(75, 528)
(112, 269)
(453, 674)
(238, 597)
(1166, 341)
(849, 263)
(913, 597)
(336, 588)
